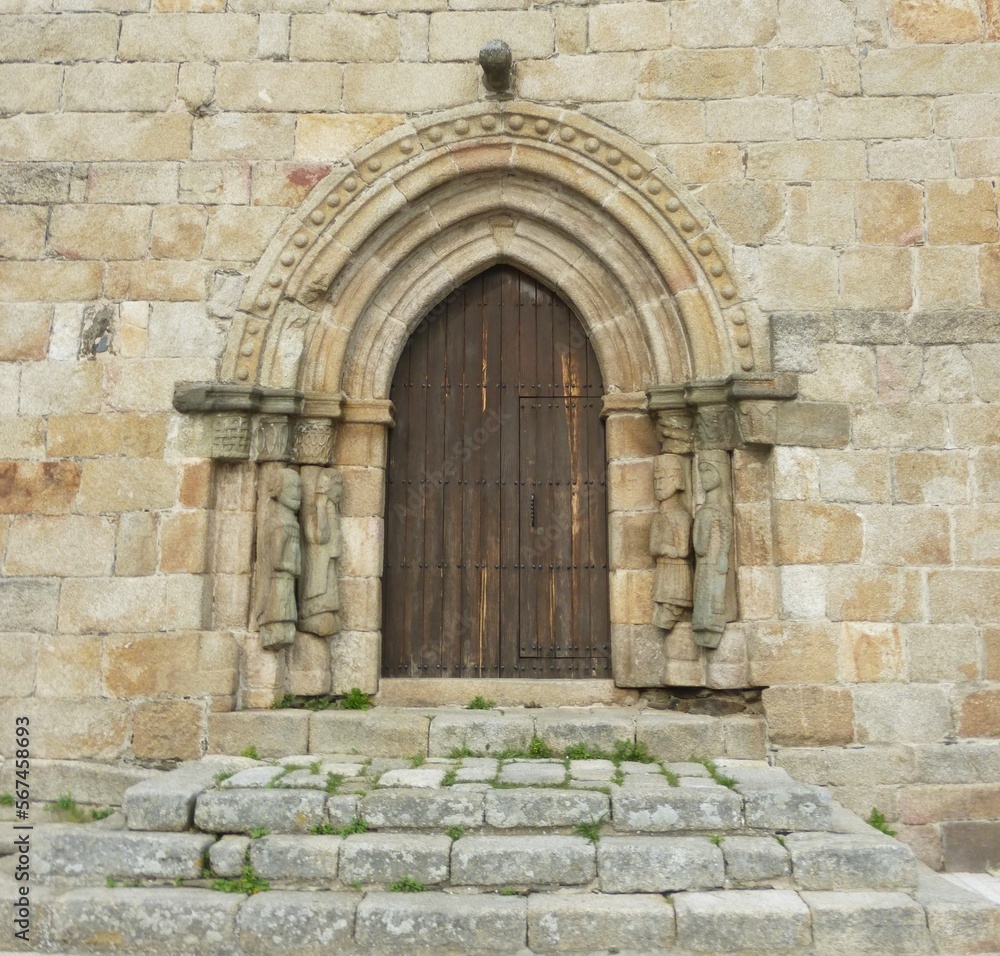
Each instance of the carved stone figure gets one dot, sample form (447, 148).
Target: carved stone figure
(319, 596)
(713, 540)
(279, 560)
(670, 542)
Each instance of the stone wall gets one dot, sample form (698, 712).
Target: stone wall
(848, 151)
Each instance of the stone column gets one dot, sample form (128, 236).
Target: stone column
(359, 455)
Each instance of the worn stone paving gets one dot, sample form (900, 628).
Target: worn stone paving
(506, 854)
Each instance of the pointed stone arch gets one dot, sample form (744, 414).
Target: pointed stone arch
(383, 238)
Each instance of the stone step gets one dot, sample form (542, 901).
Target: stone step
(612, 864)
(306, 793)
(184, 922)
(724, 857)
(437, 731)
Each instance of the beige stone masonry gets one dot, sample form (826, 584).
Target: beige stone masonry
(172, 37)
(267, 193)
(167, 730)
(873, 594)
(151, 665)
(910, 159)
(228, 136)
(69, 666)
(821, 214)
(42, 38)
(60, 546)
(30, 87)
(962, 211)
(344, 37)
(890, 213)
(128, 87)
(80, 729)
(936, 21)
(335, 136)
(793, 654)
(968, 68)
(407, 87)
(280, 87)
(95, 136)
(131, 183)
(700, 74)
(460, 36)
(632, 26)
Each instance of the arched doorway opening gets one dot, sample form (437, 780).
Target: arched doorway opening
(496, 511)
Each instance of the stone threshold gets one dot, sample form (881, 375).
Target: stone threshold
(436, 731)
(438, 692)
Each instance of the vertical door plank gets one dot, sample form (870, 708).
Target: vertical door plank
(527, 555)
(453, 538)
(473, 594)
(434, 510)
(416, 467)
(491, 521)
(394, 652)
(509, 439)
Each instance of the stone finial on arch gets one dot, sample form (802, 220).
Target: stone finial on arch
(387, 235)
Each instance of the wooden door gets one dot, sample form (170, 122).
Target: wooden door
(496, 514)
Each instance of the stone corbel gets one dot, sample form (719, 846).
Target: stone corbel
(255, 423)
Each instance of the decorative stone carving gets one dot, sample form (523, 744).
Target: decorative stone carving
(496, 60)
(716, 427)
(670, 542)
(757, 423)
(271, 437)
(279, 559)
(319, 595)
(714, 595)
(313, 441)
(231, 437)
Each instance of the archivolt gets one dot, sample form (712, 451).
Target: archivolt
(418, 212)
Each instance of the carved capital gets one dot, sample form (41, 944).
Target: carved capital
(231, 437)
(715, 427)
(675, 429)
(253, 421)
(313, 441)
(728, 413)
(271, 438)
